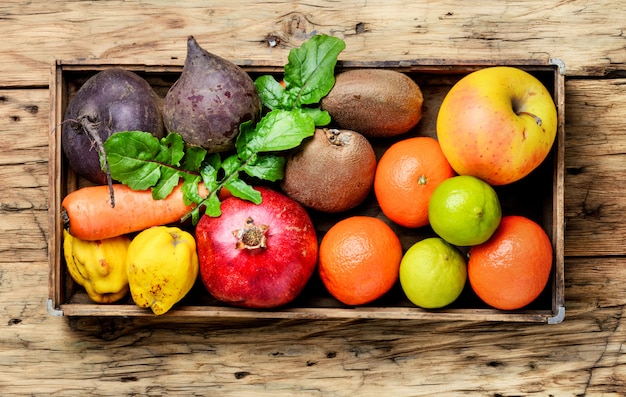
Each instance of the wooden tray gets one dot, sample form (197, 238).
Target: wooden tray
(538, 196)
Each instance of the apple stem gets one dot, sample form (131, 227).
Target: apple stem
(537, 119)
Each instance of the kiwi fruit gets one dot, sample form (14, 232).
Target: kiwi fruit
(331, 172)
(377, 103)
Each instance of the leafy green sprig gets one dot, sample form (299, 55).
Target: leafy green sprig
(291, 113)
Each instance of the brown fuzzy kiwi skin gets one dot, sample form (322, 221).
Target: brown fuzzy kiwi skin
(377, 103)
(331, 172)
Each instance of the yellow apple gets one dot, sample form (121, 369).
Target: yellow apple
(497, 124)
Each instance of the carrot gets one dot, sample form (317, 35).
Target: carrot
(88, 214)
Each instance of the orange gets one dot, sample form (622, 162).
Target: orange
(512, 268)
(359, 259)
(406, 176)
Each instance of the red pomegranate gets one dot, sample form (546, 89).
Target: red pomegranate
(257, 256)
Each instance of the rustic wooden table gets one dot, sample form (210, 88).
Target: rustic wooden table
(584, 355)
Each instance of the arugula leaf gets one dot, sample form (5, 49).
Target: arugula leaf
(239, 188)
(133, 158)
(320, 117)
(309, 75)
(168, 181)
(172, 149)
(270, 91)
(191, 191)
(267, 167)
(278, 130)
(193, 158)
(212, 206)
(209, 172)
(311, 68)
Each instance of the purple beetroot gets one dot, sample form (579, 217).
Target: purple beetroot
(209, 101)
(111, 101)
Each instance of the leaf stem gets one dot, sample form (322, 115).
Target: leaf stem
(222, 183)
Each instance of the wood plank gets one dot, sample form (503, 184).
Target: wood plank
(165, 356)
(24, 115)
(595, 154)
(375, 30)
(24, 175)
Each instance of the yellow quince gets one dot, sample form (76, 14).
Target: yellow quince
(162, 266)
(99, 266)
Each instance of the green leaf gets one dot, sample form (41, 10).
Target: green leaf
(239, 188)
(193, 158)
(131, 156)
(231, 164)
(270, 91)
(267, 167)
(278, 130)
(209, 176)
(214, 160)
(212, 206)
(191, 192)
(168, 181)
(311, 68)
(172, 149)
(247, 132)
(320, 117)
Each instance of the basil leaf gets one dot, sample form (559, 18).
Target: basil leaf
(311, 68)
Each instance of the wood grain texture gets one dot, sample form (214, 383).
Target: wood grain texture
(586, 35)
(595, 207)
(23, 175)
(124, 356)
(584, 356)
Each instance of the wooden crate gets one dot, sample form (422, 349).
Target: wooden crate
(538, 196)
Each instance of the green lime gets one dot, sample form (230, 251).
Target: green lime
(433, 273)
(464, 210)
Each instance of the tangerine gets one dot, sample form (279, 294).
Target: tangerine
(406, 176)
(359, 259)
(512, 268)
